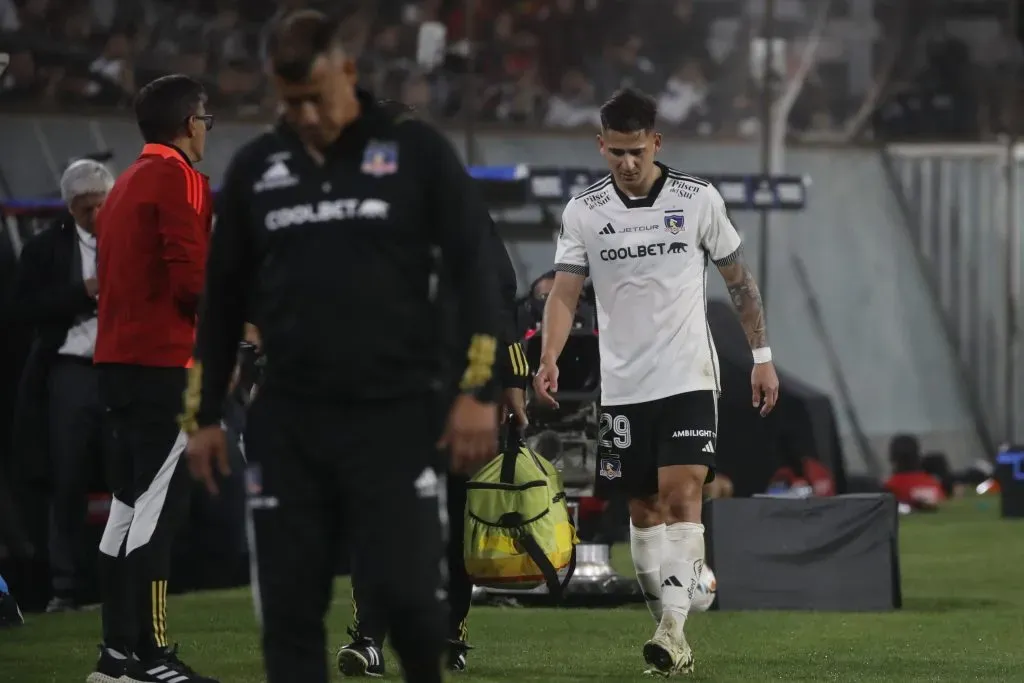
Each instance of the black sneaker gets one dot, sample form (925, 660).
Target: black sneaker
(110, 667)
(361, 657)
(458, 650)
(10, 613)
(164, 668)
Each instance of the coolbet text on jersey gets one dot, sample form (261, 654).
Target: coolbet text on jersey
(648, 257)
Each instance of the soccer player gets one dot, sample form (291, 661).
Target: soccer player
(152, 238)
(645, 234)
(325, 241)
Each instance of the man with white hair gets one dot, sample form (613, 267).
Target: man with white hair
(59, 405)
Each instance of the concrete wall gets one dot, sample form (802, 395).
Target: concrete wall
(859, 260)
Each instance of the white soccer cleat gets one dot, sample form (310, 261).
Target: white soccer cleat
(666, 653)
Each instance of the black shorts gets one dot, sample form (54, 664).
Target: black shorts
(635, 440)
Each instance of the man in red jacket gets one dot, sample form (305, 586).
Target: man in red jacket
(153, 232)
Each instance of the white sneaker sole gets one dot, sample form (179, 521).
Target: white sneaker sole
(354, 665)
(97, 677)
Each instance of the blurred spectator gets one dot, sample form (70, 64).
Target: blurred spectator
(521, 101)
(910, 484)
(541, 287)
(76, 31)
(684, 99)
(679, 32)
(33, 16)
(417, 93)
(574, 103)
(104, 12)
(180, 30)
(282, 8)
(59, 410)
(22, 82)
(387, 59)
(533, 302)
(623, 65)
(803, 474)
(937, 465)
(812, 115)
(113, 71)
(9, 21)
(227, 40)
(565, 29)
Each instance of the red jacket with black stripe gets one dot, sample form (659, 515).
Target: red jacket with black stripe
(153, 232)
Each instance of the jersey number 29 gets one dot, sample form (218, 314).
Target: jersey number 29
(619, 425)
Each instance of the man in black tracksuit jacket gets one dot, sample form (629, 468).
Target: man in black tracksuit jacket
(364, 655)
(325, 240)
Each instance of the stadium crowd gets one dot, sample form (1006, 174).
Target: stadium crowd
(539, 62)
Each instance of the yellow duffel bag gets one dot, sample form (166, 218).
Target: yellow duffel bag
(518, 531)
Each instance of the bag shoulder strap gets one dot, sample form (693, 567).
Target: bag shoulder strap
(508, 466)
(556, 588)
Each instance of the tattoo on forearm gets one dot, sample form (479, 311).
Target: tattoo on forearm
(746, 298)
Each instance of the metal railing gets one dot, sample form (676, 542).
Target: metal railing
(963, 208)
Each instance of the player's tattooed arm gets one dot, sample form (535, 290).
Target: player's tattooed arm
(746, 298)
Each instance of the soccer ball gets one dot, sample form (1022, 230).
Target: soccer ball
(704, 595)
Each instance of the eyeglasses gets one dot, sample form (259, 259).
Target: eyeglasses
(207, 120)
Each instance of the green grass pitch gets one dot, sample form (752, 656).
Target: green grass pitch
(963, 620)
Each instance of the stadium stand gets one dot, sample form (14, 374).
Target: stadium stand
(541, 62)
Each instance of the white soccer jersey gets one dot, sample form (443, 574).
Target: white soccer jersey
(647, 258)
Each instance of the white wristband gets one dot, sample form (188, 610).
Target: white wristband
(762, 355)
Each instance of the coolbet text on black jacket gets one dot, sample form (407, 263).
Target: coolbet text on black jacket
(334, 264)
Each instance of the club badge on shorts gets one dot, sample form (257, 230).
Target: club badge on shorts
(611, 468)
(674, 223)
(380, 158)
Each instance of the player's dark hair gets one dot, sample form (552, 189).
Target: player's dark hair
(629, 111)
(905, 453)
(163, 106)
(298, 39)
(550, 275)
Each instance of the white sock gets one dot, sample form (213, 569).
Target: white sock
(647, 548)
(680, 569)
